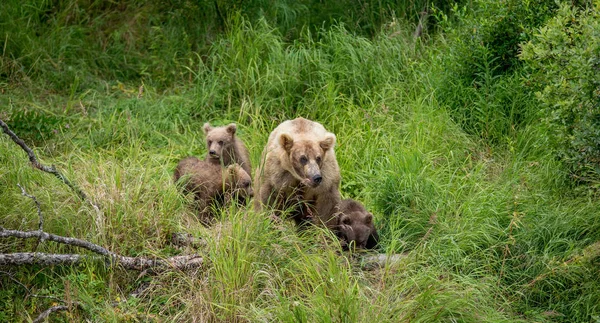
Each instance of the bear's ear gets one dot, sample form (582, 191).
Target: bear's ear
(286, 142)
(344, 219)
(206, 128)
(368, 218)
(373, 240)
(231, 128)
(328, 142)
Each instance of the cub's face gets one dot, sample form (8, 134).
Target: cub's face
(356, 228)
(219, 139)
(306, 157)
(242, 183)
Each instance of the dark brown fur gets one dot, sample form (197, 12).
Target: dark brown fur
(210, 182)
(355, 226)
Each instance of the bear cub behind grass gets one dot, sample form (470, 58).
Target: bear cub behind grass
(225, 147)
(355, 226)
(212, 184)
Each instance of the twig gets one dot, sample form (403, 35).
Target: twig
(422, 24)
(37, 204)
(49, 311)
(29, 293)
(48, 169)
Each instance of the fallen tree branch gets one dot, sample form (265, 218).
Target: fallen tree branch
(132, 263)
(48, 169)
(46, 259)
(37, 205)
(4, 233)
(49, 311)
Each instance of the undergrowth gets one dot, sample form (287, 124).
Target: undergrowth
(459, 172)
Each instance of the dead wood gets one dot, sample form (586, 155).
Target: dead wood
(48, 169)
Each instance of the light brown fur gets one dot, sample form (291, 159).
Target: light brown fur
(355, 226)
(299, 169)
(210, 182)
(224, 146)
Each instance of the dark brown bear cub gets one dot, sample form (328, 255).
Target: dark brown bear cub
(211, 183)
(355, 226)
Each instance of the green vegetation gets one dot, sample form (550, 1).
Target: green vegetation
(470, 155)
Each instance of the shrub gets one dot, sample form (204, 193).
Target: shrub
(564, 61)
(479, 70)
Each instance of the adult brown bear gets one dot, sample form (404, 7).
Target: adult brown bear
(299, 170)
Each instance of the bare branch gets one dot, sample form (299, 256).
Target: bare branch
(422, 24)
(37, 204)
(29, 293)
(48, 169)
(49, 311)
(132, 263)
(4, 233)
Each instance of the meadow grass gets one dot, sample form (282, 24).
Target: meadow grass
(469, 194)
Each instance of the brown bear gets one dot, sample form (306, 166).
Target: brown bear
(224, 146)
(355, 226)
(299, 169)
(210, 182)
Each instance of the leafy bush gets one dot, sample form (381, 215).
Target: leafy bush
(564, 62)
(479, 76)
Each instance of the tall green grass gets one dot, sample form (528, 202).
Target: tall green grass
(480, 209)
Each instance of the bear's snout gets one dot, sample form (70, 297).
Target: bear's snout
(213, 153)
(317, 179)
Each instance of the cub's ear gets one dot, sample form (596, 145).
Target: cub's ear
(286, 142)
(231, 128)
(206, 128)
(373, 240)
(344, 219)
(369, 218)
(328, 142)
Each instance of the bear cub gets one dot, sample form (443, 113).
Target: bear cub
(355, 226)
(211, 183)
(224, 146)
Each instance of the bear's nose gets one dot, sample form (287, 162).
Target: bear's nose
(317, 179)
(212, 153)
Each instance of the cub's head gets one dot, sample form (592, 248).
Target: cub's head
(219, 139)
(240, 181)
(306, 157)
(355, 226)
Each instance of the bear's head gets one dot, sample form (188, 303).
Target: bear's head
(355, 227)
(219, 139)
(306, 157)
(240, 181)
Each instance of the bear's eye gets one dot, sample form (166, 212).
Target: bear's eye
(347, 221)
(221, 142)
(246, 184)
(318, 159)
(210, 142)
(303, 160)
